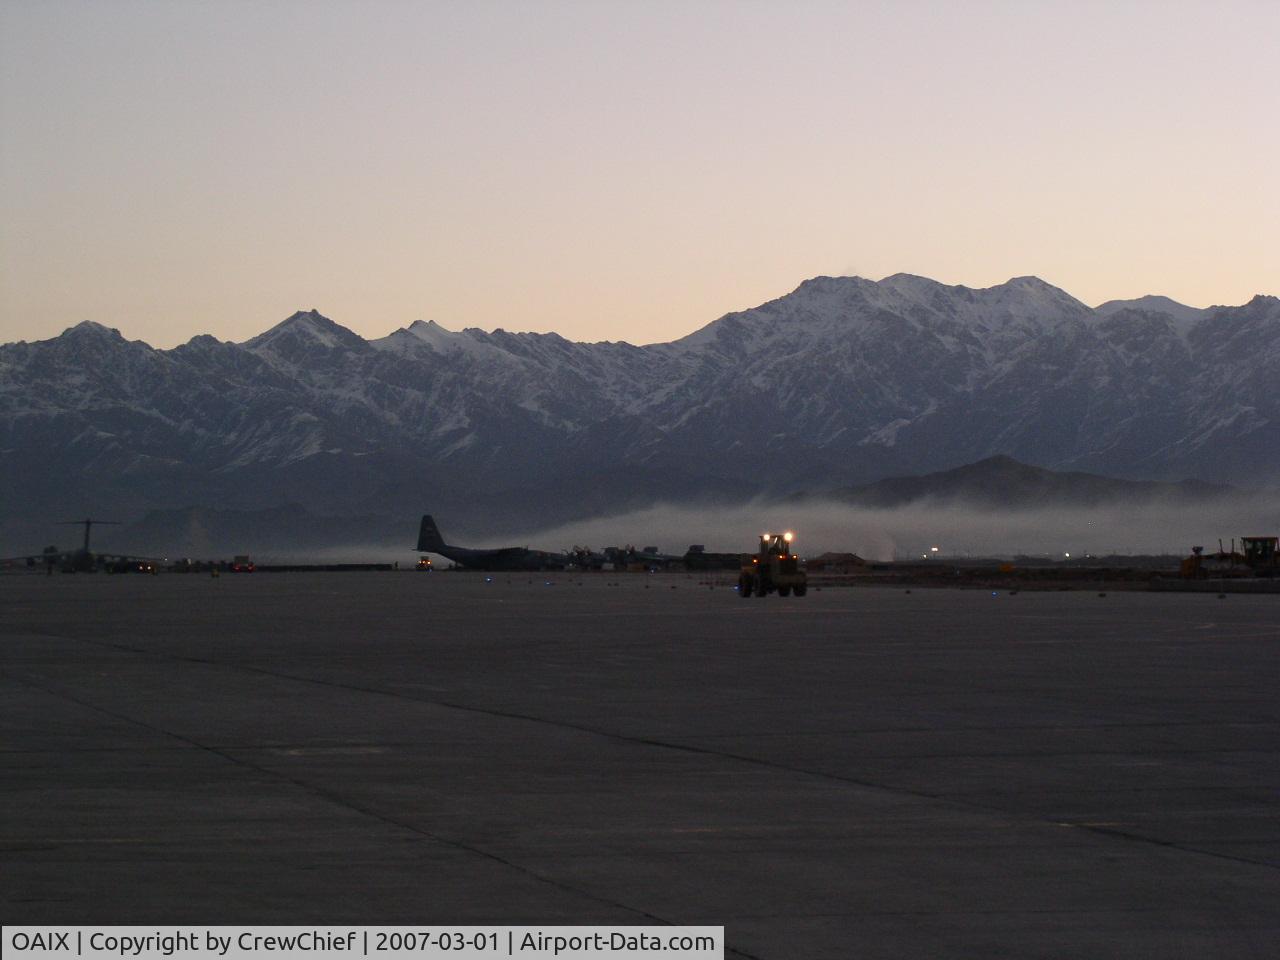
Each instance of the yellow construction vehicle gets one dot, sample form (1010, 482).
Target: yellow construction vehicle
(1257, 557)
(772, 567)
(1262, 554)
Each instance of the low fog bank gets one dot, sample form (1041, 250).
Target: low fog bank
(876, 533)
(909, 531)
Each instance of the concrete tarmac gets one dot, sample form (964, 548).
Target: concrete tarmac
(861, 773)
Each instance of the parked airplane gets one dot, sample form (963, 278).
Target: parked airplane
(639, 558)
(83, 560)
(502, 558)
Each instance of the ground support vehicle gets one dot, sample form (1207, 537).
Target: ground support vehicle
(772, 567)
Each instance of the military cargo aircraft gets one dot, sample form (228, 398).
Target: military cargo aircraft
(501, 558)
(84, 560)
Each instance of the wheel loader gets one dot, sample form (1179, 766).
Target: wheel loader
(772, 567)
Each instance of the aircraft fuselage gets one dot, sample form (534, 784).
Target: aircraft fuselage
(502, 558)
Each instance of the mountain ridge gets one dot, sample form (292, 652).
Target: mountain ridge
(846, 379)
(1004, 482)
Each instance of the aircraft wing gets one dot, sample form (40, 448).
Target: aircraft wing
(64, 557)
(34, 558)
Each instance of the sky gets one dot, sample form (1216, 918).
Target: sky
(619, 171)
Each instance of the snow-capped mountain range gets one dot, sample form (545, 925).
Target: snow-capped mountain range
(843, 381)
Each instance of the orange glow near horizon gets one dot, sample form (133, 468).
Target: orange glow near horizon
(619, 172)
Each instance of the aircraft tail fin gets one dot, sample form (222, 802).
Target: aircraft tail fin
(429, 539)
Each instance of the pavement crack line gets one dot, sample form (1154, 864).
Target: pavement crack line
(339, 800)
(1107, 832)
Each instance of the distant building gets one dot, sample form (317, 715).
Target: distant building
(836, 563)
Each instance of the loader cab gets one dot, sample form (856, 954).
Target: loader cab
(775, 543)
(778, 545)
(1261, 553)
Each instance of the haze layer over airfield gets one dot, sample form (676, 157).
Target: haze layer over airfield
(619, 172)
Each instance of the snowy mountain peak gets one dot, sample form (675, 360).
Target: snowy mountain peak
(1037, 291)
(443, 340)
(910, 281)
(1155, 304)
(438, 339)
(428, 331)
(1029, 282)
(823, 282)
(823, 289)
(1029, 302)
(1181, 316)
(305, 329)
(853, 307)
(89, 328)
(1022, 298)
(311, 321)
